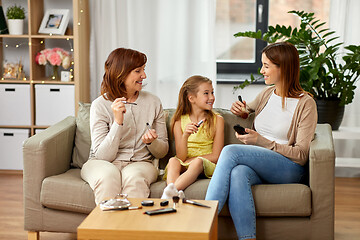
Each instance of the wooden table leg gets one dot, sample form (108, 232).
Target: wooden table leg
(33, 236)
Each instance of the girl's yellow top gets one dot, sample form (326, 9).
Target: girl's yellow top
(199, 143)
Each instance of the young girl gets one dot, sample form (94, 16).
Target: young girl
(199, 136)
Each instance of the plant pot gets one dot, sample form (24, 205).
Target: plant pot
(329, 111)
(16, 26)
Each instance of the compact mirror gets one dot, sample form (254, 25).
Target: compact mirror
(119, 202)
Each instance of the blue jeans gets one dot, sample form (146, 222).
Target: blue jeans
(238, 168)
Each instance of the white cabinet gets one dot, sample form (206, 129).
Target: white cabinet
(23, 103)
(53, 103)
(15, 104)
(11, 141)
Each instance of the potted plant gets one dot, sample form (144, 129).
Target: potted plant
(329, 75)
(15, 15)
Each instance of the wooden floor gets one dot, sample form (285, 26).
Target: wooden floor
(347, 210)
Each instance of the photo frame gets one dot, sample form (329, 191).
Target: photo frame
(55, 21)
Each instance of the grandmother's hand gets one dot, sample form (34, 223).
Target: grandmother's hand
(118, 108)
(149, 136)
(250, 138)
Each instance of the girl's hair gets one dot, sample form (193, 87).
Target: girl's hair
(191, 87)
(286, 57)
(118, 66)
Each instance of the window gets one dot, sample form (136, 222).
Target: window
(243, 55)
(239, 55)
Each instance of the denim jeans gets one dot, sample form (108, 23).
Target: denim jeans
(238, 168)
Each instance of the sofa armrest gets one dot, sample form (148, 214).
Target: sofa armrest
(45, 154)
(322, 177)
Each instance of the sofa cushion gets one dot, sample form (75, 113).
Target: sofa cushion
(270, 200)
(67, 192)
(73, 194)
(274, 200)
(82, 137)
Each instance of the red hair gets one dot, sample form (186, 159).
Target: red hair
(118, 66)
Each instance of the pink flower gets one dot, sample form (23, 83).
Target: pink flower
(54, 59)
(55, 56)
(66, 62)
(42, 60)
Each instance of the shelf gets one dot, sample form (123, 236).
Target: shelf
(347, 133)
(13, 36)
(47, 36)
(45, 81)
(78, 37)
(51, 82)
(347, 167)
(15, 126)
(14, 81)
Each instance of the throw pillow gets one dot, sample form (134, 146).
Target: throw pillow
(82, 137)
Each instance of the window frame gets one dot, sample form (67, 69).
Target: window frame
(238, 68)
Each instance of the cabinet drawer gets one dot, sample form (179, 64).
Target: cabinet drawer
(53, 103)
(15, 104)
(11, 141)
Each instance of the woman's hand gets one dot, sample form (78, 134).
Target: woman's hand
(149, 136)
(190, 129)
(118, 108)
(239, 109)
(248, 139)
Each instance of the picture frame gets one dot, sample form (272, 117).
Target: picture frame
(55, 21)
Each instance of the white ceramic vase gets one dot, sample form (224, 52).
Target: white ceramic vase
(16, 26)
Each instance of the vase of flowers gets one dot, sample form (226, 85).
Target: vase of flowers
(55, 57)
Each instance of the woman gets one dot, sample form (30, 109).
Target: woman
(128, 130)
(276, 148)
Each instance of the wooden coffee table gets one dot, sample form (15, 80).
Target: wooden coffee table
(189, 222)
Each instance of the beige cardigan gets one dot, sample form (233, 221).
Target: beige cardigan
(301, 131)
(110, 141)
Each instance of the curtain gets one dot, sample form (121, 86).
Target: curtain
(345, 19)
(176, 36)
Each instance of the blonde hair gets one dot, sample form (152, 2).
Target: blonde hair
(191, 87)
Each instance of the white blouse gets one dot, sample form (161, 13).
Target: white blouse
(273, 122)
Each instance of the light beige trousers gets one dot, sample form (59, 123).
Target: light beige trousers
(107, 179)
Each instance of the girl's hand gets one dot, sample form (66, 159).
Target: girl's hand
(239, 109)
(250, 138)
(119, 109)
(190, 129)
(149, 136)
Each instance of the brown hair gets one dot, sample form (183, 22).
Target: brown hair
(118, 66)
(191, 87)
(286, 57)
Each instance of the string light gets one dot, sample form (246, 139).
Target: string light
(29, 43)
(19, 44)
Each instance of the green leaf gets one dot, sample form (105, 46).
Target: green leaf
(321, 74)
